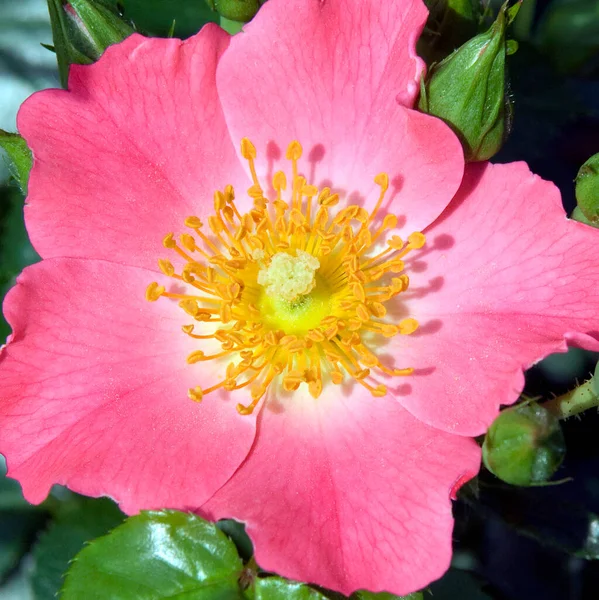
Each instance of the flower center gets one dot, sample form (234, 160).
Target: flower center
(293, 290)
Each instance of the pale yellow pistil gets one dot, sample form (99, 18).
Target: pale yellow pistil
(289, 277)
(290, 288)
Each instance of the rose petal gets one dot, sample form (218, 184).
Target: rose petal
(94, 392)
(348, 492)
(504, 280)
(137, 144)
(328, 75)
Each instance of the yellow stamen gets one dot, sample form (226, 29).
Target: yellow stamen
(289, 288)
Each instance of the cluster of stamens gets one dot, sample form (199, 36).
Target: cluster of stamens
(227, 304)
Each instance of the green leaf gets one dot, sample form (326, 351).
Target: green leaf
(155, 555)
(385, 596)
(78, 521)
(277, 588)
(20, 157)
(242, 541)
(156, 17)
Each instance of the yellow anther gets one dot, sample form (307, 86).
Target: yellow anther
(226, 313)
(248, 150)
(168, 241)
(219, 201)
(279, 181)
(382, 179)
(309, 190)
(315, 388)
(408, 326)
(229, 194)
(196, 394)
(362, 312)
(389, 330)
(416, 240)
(331, 200)
(166, 267)
(358, 291)
(154, 291)
(379, 391)
(190, 306)
(390, 222)
(294, 151)
(193, 222)
(188, 242)
(336, 377)
(395, 242)
(195, 357)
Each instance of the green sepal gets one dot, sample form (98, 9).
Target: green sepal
(524, 445)
(587, 190)
(241, 11)
(154, 555)
(20, 158)
(468, 90)
(82, 30)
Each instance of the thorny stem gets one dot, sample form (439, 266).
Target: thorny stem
(578, 400)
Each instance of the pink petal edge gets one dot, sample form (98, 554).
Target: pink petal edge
(135, 146)
(330, 79)
(93, 387)
(504, 280)
(348, 492)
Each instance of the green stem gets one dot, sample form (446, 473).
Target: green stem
(574, 402)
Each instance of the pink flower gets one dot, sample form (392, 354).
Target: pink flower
(350, 489)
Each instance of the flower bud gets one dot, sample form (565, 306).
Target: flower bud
(524, 445)
(236, 10)
(82, 30)
(587, 191)
(468, 90)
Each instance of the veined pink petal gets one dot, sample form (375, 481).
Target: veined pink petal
(348, 492)
(329, 74)
(504, 280)
(93, 387)
(137, 144)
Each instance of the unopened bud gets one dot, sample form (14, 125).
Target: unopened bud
(524, 445)
(82, 30)
(236, 10)
(587, 191)
(468, 90)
